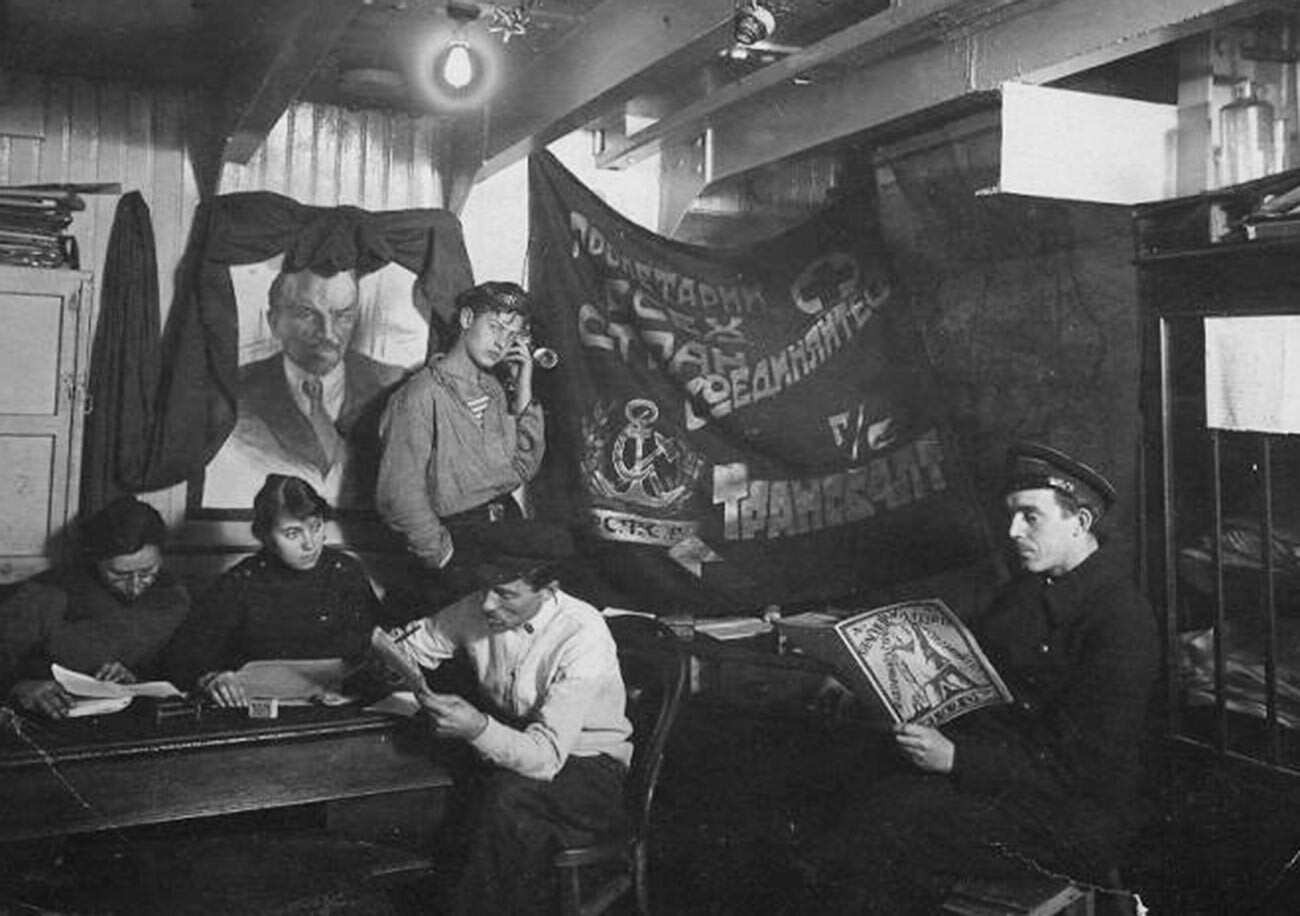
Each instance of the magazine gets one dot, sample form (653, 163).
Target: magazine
(911, 662)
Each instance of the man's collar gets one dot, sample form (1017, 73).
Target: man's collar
(332, 383)
(485, 380)
(545, 614)
(441, 364)
(1066, 594)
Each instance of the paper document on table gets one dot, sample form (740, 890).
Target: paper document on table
(93, 697)
(732, 627)
(398, 703)
(83, 685)
(295, 681)
(1252, 371)
(812, 619)
(626, 612)
(97, 706)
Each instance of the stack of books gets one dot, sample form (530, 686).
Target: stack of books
(33, 224)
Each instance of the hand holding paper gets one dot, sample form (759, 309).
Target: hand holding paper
(92, 696)
(453, 717)
(45, 697)
(386, 649)
(927, 748)
(116, 672)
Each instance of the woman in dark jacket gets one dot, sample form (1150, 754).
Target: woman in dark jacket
(296, 598)
(107, 616)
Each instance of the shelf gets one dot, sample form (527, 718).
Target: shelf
(1221, 249)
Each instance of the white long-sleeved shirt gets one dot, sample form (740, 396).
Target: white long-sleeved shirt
(557, 676)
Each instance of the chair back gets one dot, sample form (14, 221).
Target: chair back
(655, 669)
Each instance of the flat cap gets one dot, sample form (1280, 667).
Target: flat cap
(1034, 466)
(510, 549)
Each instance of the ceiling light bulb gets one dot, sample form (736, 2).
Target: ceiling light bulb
(458, 66)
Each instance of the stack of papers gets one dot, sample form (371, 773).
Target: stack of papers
(92, 697)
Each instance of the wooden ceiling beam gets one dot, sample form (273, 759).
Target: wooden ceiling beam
(285, 44)
(460, 156)
(876, 38)
(1063, 38)
(614, 43)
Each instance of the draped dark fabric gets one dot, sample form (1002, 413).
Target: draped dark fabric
(197, 394)
(738, 426)
(1030, 313)
(124, 362)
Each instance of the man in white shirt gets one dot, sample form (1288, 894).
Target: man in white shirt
(550, 719)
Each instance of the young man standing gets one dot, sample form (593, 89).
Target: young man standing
(456, 442)
(547, 720)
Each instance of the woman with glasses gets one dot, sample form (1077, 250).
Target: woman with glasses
(108, 615)
(296, 598)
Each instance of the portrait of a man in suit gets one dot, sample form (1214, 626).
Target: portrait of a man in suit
(312, 408)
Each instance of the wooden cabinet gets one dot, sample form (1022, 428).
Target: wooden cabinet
(44, 356)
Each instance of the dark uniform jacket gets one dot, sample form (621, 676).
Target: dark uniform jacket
(262, 609)
(68, 616)
(1080, 653)
(264, 396)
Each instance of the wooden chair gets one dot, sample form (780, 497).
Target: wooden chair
(655, 670)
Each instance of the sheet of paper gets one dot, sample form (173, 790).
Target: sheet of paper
(811, 619)
(1252, 370)
(294, 681)
(388, 651)
(399, 703)
(625, 612)
(83, 685)
(97, 706)
(732, 627)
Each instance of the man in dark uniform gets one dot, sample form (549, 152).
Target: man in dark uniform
(1050, 782)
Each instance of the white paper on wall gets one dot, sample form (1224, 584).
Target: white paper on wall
(1252, 373)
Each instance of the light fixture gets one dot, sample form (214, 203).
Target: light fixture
(509, 21)
(753, 22)
(456, 66)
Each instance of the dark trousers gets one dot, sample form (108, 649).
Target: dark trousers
(437, 588)
(521, 823)
(900, 848)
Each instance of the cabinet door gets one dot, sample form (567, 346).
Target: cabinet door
(42, 384)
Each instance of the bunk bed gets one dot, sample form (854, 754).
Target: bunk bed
(1222, 469)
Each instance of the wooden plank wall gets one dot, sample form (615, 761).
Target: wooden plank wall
(117, 133)
(108, 134)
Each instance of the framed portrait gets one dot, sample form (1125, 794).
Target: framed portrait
(318, 357)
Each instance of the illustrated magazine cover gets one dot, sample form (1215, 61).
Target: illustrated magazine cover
(914, 661)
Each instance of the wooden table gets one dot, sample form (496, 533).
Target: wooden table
(126, 769)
